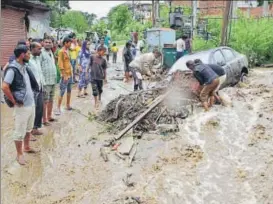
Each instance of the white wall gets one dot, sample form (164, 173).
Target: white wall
(39, 23)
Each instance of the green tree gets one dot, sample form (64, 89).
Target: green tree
(89, 18)
(75, 20)
(119, 17)
(99, 27)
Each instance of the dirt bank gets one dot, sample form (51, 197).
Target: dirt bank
(224, 156)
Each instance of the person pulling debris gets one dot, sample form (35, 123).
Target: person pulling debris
(222, 76)
(207, 78)
(144, 65)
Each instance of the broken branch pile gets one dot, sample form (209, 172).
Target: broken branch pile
(124, 109)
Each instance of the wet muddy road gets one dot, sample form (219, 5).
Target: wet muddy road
(224, 156)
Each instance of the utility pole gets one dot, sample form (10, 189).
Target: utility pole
(265, 8)
(153, 12)
(194, 17)
(225, 23)
(157, 13)
(133, 8)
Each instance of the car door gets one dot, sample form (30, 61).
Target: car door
(218, 58)
(232, 61)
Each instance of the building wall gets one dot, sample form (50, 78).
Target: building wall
(39, 23)
(217, 7)
(12, 30)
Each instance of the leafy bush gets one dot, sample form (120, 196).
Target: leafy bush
(252, 37)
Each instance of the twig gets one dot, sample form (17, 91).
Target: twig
(160, 114)
(132, 155)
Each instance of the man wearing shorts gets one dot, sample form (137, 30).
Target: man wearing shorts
(127, 58)
(208, 79)
(98, 66)
(50, 77)
(66, 74)
(19, 86)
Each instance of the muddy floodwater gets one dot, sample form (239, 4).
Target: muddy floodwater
(224, 156)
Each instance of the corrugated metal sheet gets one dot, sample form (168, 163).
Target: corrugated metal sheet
(12, 30)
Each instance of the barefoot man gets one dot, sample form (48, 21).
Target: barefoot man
(50, 76)
(18, 87)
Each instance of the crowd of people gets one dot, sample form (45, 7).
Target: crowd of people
(34, 70)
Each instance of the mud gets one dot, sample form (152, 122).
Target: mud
(223, 156)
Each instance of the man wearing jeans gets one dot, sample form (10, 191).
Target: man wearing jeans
(66, 74)
(18, 86)
(50, 77)
(35, 66)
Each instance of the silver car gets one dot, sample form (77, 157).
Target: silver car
(234, 63)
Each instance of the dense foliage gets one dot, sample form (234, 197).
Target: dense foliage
(250, 36)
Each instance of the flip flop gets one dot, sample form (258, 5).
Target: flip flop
(46, 124)
(33, 139)
(31, 151)
(21, 161)
(52, 120)
(69, 109)
(57, 112)
(86, 94)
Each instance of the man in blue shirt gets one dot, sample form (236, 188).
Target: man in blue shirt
(107, 41)
(208, 79)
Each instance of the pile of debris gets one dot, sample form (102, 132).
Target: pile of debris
(175, 106)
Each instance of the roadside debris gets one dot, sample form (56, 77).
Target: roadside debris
(127, 181)
(103, 154)
(165, 103)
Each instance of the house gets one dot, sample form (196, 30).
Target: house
(21, 19)
(142, 11)
(215, 7)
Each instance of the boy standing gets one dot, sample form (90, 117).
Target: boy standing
(98, 66)
(115, 52)
(66, 74)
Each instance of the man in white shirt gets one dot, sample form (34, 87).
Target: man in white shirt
(35, 66)
(144, 65)
(180, 47)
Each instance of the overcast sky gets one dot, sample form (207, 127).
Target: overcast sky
(100, 8)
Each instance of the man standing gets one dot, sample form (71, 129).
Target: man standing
(127, 58)
(50, 77)
(74, 52)
(107, 42)
(98, 66)
(180, 47)
(35, 66)
(18, 86)
(207, 78)
(66, 74)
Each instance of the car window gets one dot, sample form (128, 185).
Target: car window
(229, 56)
(218, 57)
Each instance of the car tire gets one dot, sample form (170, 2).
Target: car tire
(243, 77)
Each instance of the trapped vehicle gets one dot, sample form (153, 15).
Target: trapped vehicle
(234, 63)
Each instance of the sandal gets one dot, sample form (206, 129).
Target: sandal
(33, 139)
(58, 112)
(30, 151)
(46, 124)
(21, 160)
(69, 109)
(52, 120)
(86, 94)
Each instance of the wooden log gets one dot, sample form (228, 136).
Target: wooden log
(157, 101)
